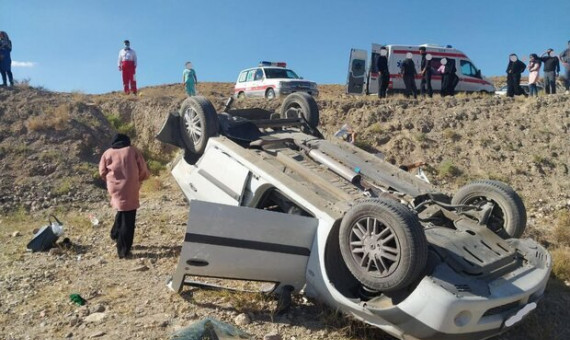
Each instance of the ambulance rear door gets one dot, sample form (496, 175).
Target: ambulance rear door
(356, 81)
(373, 69)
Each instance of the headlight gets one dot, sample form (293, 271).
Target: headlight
(284, 84)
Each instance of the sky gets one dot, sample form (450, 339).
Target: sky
(65, 45)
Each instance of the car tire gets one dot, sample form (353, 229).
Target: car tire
(304, 104)
(198, 122)
(508, 217)
(241, 95)
(270, 94)
(383, 244)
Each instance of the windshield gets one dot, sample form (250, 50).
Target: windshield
(280, 73)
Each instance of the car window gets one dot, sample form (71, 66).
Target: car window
(281, 73)
(357, 67)
(242, 76)
(258, 74)
(250, 74)
(274, 200)
(468, 69)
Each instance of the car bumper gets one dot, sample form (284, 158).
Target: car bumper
(287, 91)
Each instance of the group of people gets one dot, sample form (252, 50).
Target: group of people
(6, 60)
(447, 70)
(128, 65)
(551, 68)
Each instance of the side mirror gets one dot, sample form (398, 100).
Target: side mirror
(478, 74)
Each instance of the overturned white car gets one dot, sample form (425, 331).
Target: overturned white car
(271, 200)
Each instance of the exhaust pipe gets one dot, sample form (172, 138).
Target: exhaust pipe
(341, 170)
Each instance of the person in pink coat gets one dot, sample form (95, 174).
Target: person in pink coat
(533, 74)
(123, 168)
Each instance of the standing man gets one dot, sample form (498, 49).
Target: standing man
(383, 73)
(551, 70)
(123, 168)
(514, 70)
(5, 59)
(425, 70)
(189, 79)
(408, 71)
(565, 59)
(128, 65)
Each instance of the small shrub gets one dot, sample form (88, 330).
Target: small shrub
(561, 263)
(375, 128)
(121, 126)
(63, 188)
(420, 137)
(562, 228)
(540, 160)
(57, 118)
(448, 169)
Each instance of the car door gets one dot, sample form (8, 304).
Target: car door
(356, 81)
(245, 243)
(258, 89)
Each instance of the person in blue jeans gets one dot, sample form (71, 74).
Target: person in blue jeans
(5, 59)
(189, 79)
(565, 59)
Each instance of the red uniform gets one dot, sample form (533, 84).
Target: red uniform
(128, 65)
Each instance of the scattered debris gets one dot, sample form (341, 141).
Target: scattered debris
(242, 319)
(209, 328)
(16, 234)
(77, 299)
(45, 238)
(97, 334)
(272, 336)
(95, 317)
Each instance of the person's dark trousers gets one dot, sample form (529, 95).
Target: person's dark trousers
(426, 81)
(383, 81)
(532, 90)
(10, 78)
(444, 85)
(511, 85)
(567, 80)
(550, 82)
(123, 231)
(410, 83)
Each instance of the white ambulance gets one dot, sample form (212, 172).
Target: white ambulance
(271, 80)
(363, 76)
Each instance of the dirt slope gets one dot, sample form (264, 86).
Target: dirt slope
(50, 144)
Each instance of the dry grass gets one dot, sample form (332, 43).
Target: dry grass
(561, 263)
(52, 118)
(562, 229)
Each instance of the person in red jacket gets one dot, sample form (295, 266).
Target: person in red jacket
(123, 168)
(128, 65)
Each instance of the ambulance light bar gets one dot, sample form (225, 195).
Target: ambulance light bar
(269, 63)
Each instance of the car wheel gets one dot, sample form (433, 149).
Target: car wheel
(198, 122)
(302, 105)
(383, 244)
(508, 215)
(241, 95)
(270, 94)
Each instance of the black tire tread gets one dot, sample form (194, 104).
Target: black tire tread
(308, 105)
(205, 108)
(481, 187)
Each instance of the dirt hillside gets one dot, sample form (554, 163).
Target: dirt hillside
(50, 144)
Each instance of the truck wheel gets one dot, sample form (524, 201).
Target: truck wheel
(383, 244)
(198, 122)
(270, 94)
(301, 104)
(508, 217)
(241, 95)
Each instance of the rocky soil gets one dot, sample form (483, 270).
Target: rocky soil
(50, 144)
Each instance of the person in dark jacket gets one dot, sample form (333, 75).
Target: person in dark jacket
(5, 59)
(408, 71)
(514, 70)
(425, 71)
(565, 59)
(383, 73)
(449, 79)
(551, 70)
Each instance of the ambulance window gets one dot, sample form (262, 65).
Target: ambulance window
(242, 76)
(358, 67)
(468, 69)
(258, 74)
(250, 74)
(435, 64)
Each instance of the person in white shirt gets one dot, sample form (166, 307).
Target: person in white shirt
(128, 65)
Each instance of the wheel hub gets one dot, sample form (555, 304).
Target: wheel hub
(193, 125)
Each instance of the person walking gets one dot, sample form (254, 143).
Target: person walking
(128, 66)
(533, 74)
(565, 60)
(426, 72)
(5, 59)
(189, 79)
(449, 77)
(383, 73)
(551, 70)
(514, 70)
(408, 71)
(123, 169)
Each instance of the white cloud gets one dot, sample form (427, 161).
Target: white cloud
(23, 63)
